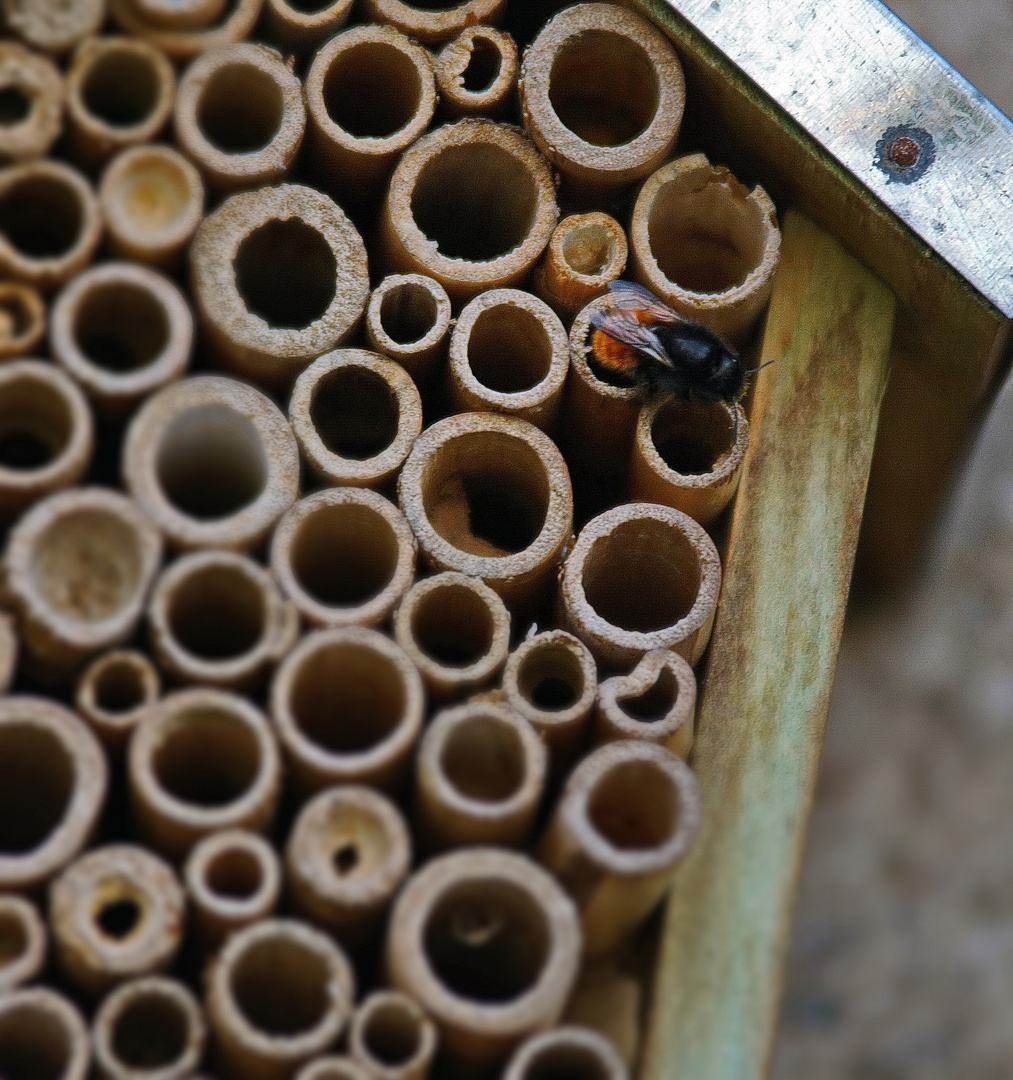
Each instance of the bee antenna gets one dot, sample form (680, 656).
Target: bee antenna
(754, 370)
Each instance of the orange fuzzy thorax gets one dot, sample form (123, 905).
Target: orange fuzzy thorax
(613, 354)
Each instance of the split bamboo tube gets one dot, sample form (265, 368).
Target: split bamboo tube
(240, 116)
(688, 456)
(149, 1029)
(476, 73)
(114, 692)
(602, 95)
(116, 913)
(213, 462)
(489, 945)
(152, 201)
(52, 26)
(233, 879)
(392, 1037)
(656, 702)
(180, 14)
(629, 812)
(489, 496)
(348, 854)
(456, 631)
(235, 23)
(408, 319)
(8, 652)
(46, 433)
(53, 779)
(279, 277)
(370, 93)
(122, 331)
(471, 204)
(344, 557)
(578, 1053)
(218, 619)
(79, 565)
(22, 943)
(641, 577)
(479, 777)
(431, 23)
(550, 680)
(22, 320)
(705, 244)
(199, 761)
(278, 994)
(33, 93)
(355, 416)
(509, 354)
(347, 705)
(336, 1067)
(42, 1035)
(299, 27)
(586, 253)
(120, 93)
(50, 225)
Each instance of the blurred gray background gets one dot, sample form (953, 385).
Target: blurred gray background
(901, 963)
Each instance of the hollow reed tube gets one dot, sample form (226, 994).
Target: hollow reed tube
(179, 14)
(113, 693)
(408, 319)
(23, 943)
(8, 652)
(34, 86)
(586, 253)
(477, 72)
(52, 26)
(577, 1053)
(302, 28)
(231, 23)
(392, 1037)
(42, 1034)
(430, 24)
(333, 1067)
(22, 320)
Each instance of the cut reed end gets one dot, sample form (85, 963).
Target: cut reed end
(114, 692)
(477, 72)
(33, 90)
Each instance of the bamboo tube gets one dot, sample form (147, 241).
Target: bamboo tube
(213, 462)
(688, 456)
(479, 777)
(348, 854)
(490, 496)
(199, 761)
(116, 913)
(578, 1053)
(233, 879)
(629, 812)
(429, 23)
(179, 14)
(370, 93)
(347, 706)
(123, 332)
(46, 433)
(114, 692)
(240, 116)
(33, 92)
(301, 28)
(344, 557)
(279, 277)
(408, 319)
(22, 320)
(336, 1067)
(218, 619)
(53, 780)
(50, 225)
(120, 93)
(705, 244)
(79, 565)
(52, 26)
(489, 945)
(8, 652)
(152, 201)
(641, 577)
(656, 702)
(278, 994)
(509, 353)
(355, 416)
(602, 95)
(456, 631)
(236, 23)
(42, 1035)
(551, 680)
(22, 943)
(392, 1037)
(609, 1001)
(471, 204)
(476, 73)
(586, 253)
(150, 1028)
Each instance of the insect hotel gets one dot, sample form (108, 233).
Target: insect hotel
(435, 442)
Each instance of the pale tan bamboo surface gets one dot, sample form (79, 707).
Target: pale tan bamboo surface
(113, 693)
(392, 1037)
(333, 1068)
(234, 23)
(299, 27)
(39, 81)
(571, 1051)
(477, 72)
(52, 25)
(408, 319)
(25, 944)
(585, 254)
(22, 320)
(433, 25)
(42, 1030)
(180, 14)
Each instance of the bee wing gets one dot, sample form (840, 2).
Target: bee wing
(628, 295)
(624, 326)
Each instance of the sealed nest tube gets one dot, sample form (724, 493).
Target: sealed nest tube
(352, 591)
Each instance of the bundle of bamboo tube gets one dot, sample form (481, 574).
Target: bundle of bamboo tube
(349, 606)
